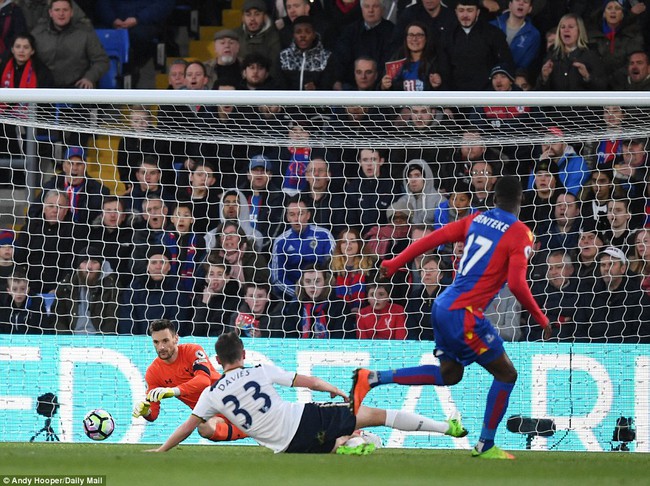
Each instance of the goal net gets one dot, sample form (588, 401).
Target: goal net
(269, 213)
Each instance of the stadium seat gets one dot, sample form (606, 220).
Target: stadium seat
(116, 44)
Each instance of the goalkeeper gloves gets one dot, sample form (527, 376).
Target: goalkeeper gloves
(160, 393)
(141, 409)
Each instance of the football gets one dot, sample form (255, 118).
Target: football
(98, 424)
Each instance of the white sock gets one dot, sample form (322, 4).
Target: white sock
(398, 419)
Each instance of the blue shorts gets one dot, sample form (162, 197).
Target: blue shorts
(465, 336)
(321, 424)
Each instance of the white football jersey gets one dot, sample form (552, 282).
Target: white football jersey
(248, 399)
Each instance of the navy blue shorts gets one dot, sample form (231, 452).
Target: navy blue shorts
(321, 424)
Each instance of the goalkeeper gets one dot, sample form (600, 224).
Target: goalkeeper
(182, 371)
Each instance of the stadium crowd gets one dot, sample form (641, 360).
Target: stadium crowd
(286, 242)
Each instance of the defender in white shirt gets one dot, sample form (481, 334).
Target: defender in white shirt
(247, 398)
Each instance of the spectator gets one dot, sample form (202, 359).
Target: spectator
(301, 245)
(306, 64)
(295, 159)
(638, 73)
(13, 22)
(421, 298)
(225, 66)
(522, 36)
(203, 194)
(573, 171)
(85, 194)
(112, 235)
(365, 75)
(595, 194)
(185, 247)
(371, 193)
(246, 264)
(145, 21)
(438, 19)
(563, 233)
(148, 184)
(457, 205)
(631, 167)
(7, 264)
(416, 66)
(21, 313)
(329, 203)
(317, 313)
(557, 296)
(176, 74)
(614, 35)
(36, 10)
(590, 244)
(87, 299)
(620, 224)
(234, 207)
(46, 245)
(369, 36)
(482, 186)
(607, 150)
(219, 301)
(256, 73)
(258, 315)
(537, 209)
(522, 79)
(389, 239)
(149, 229)
(351, 266)
(70, 48)
(296, 9)
(570, 65)
(421, 198)
(471, 49)
(152, 296)
(617, 311)
(258, 34)
(21, 67)
(640, 258)
(381, 318)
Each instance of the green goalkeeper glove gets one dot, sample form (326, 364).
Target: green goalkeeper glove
(160, 393)
(141, 409)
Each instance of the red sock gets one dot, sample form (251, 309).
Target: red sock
(226, 431)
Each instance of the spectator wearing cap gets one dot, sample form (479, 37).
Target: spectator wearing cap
(369, 36)
(258, 34)
(152, 296)
(537, 210)
(306, 64)
(522, 36)
(225, 66)
(573, 171)
(471, 49)
(265, 200)
(145, 21)
(614, 34)
(70, 48)
(86, 299)
(557, 296)
(7, 264)
(84, 193)
(570, 65)
(617, 311)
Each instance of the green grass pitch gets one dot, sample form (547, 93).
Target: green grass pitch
(244, 465)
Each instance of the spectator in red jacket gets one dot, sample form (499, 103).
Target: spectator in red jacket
(381, 318)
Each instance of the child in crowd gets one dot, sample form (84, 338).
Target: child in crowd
(381, 318)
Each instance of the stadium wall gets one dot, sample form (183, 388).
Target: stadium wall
(583, 387)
